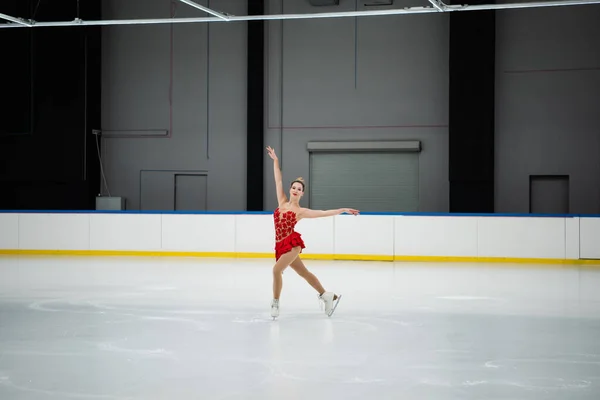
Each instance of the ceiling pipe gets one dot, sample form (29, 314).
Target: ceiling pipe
(231, 18)
(205, 9)
(13, 19)
(438, 5)
(534, 4)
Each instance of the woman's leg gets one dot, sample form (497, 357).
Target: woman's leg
(330, 299)
(298, 266)
(281, 264)
(278, 268)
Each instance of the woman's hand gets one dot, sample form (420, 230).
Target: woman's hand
(350, 211)
(272, 153)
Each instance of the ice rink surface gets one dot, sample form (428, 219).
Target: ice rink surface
(185, 328)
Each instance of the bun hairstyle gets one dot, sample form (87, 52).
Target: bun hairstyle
(300, 181)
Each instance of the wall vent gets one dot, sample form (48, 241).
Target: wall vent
(320, 3)
(378, 3)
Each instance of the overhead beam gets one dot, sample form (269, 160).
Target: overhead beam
(205, 9)
(19, 21)
(438, 5)
(347, 14)
(506, 6)
(79, 22)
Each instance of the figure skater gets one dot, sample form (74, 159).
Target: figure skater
(289, 243)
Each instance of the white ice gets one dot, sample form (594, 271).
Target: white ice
(177, 328)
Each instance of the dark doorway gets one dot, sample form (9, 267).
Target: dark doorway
(549, 194)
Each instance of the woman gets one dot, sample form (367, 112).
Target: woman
(289, 244)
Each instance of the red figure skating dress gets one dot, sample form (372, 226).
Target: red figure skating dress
(285, 236)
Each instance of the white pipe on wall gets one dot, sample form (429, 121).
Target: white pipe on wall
(347, 14)
(206, 9)
(19, 21)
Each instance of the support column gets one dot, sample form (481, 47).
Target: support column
(472, 108)
(255, 105)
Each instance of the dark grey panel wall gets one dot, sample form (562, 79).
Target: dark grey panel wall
(346, 79)
(548, 104)
(186, 79)
(353, 79)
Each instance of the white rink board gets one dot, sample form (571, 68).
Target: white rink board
(252, 233)
(521, 237)
(9, 231)
(130, 232)
(318, 235)
(198, 232)
(590, 238)
(436, 236)
(54, 231)
(572, 238)
(368, 234)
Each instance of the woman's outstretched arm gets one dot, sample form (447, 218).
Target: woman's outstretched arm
(308, 213)
(281, 197)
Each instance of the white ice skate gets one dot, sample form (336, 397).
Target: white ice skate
(275, 308)
(330, 301)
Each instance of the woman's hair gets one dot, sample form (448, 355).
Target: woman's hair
(300, 181)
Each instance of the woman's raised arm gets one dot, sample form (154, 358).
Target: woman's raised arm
(281, 197)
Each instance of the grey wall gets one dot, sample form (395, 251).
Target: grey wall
(206, 111)
(340, 79)
(345, 79)
(548, 104)
(358, 79)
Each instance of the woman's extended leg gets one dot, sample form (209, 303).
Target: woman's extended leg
(298, 266)
(330, 299)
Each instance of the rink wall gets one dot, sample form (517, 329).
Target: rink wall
(415, 237)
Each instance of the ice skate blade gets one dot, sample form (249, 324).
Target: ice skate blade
(335, 305)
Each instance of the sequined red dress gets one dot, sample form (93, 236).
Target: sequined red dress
(285, 236)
